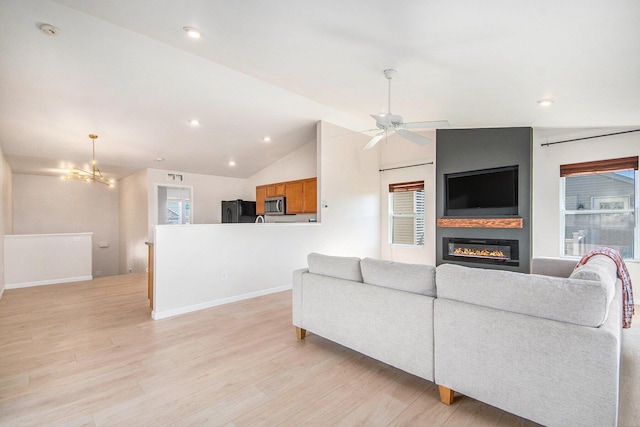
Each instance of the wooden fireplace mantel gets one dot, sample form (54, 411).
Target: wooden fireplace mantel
(480, 222)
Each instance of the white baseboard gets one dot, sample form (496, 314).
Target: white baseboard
(47, 282)
(188, 309)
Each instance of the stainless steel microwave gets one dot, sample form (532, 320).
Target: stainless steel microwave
(275, 206)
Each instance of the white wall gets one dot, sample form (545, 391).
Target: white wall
(301, 163)
(208, 192)
(133, 223)
(49, 205)
(547, 231)
(397, 152)
(6, 211)
(198, 266)
(6, 200)
(348, 190)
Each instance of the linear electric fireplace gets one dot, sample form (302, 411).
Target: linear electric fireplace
(483, 251)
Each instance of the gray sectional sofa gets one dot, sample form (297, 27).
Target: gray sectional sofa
(543, 346)
(377, 308)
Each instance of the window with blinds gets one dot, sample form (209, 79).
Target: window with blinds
(406, 213)
(600, 206)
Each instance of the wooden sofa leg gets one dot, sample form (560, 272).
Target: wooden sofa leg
(301, 333)
(446, 395)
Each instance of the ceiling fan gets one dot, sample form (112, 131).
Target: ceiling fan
(390, 123)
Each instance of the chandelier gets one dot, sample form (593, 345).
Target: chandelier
(95, 175)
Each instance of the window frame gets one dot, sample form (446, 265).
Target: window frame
(407, 187)
(593, 168)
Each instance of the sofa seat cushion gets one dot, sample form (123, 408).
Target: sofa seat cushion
(415, 278)
(347, 268)
(577, 301)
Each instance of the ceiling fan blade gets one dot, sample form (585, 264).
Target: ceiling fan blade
(413, 137)
(435, 124)
(374, 141)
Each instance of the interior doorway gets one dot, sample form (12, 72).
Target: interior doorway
(175, 205)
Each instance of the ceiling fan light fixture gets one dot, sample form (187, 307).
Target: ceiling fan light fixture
(545, 102)
(391, 124)
(192, 32)
(390, 73)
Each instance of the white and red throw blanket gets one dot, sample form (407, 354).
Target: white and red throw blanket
(623, 274)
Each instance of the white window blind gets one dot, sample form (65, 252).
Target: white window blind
(407, 204)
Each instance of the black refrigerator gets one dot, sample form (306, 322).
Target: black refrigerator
(238, 211)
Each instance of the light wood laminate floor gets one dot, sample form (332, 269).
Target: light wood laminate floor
(88, 353)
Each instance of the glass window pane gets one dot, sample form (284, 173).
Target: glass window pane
(594, 200)
(407, 218)
(587, 231)
(600, 191)
(403, 203)
(403, 230)
(174, 212)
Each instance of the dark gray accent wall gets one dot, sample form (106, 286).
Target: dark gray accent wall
(460, 150)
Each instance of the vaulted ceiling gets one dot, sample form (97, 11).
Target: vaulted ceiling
(127, 71)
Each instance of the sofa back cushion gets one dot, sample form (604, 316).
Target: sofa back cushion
(573, 300)
(415, 278)
(347, 268)
(599, 268)
(558, 267)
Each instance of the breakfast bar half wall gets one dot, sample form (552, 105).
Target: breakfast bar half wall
(205, 265)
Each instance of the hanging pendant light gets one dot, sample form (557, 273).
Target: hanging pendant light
(95, 175)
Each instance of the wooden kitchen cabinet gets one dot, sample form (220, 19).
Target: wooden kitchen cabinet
(261, 194)
(301, 195)
(310, 195)
(150, 269)
(276, 190)
(294, 197)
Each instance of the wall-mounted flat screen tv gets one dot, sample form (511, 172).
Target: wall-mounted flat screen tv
(481, 193)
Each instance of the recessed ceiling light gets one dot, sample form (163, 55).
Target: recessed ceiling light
(266, 139)
(192, 32)
(545, 102)
(194, 122)
(159, 159)
(232, 163)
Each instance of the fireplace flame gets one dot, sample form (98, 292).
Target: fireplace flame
(479, 252)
